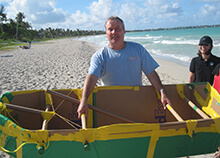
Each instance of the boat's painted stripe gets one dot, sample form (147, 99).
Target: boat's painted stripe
(195, 107)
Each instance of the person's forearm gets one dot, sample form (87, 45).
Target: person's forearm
(88, 87)
(155, 81)
(190, 80)
(191, 77)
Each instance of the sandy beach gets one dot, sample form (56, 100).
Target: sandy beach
(58, 64)
(63, 64)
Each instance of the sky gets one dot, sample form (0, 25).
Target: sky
(137, 14)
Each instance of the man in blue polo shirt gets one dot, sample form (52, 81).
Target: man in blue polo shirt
(122, 67)
(120, 63)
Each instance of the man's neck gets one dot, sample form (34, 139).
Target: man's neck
(118, 47)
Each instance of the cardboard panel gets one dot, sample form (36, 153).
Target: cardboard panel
(34, 100)
(178, 104)
(141, 105)
(129, 103)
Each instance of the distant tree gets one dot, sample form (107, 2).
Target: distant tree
(22, 27)
(19, 30)
(2, 14)
(10, 30)
(20, 17)
(2, 19)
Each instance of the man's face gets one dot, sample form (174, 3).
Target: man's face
(115, 32)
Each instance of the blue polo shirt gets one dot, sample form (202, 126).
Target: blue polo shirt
(122, 67)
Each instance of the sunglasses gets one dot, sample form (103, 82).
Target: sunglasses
(204, 44)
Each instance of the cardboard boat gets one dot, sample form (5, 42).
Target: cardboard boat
(39, 123)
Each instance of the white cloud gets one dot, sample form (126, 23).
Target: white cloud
(5, 1)
(208, 14)
(100, 8)
(161, 8)
(37, 12)
(160, 13)
(207, 10)
(99, 11)
(78, 19)
(132, 15)
(137, 14)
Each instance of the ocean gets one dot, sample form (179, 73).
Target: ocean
(179, 45)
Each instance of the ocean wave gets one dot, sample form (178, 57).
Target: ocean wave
(183, 59)
(147, 37)
(191, 42)
(217, 45)
(179, 38)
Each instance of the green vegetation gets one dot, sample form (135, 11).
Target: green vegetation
(13, 32)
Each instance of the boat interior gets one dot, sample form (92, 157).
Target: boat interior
(136, 104)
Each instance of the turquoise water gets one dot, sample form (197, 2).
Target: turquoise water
(178, 46)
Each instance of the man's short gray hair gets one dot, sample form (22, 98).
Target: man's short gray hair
(115, 18)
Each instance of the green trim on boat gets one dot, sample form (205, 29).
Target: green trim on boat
(8, 95)
(3, 120)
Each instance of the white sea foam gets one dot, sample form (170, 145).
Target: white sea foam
(191, 42)
(180, 38)
(147, 37)
(172, 57)
(217, 45)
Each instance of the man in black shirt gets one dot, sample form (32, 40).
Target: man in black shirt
(201, 67)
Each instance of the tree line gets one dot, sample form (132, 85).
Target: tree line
(19, 30)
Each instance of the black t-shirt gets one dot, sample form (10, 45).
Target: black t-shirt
(203, 69)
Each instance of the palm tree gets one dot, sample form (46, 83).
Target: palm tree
(22, 26)
(20, 17)
(2, 17)
(2, 14)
